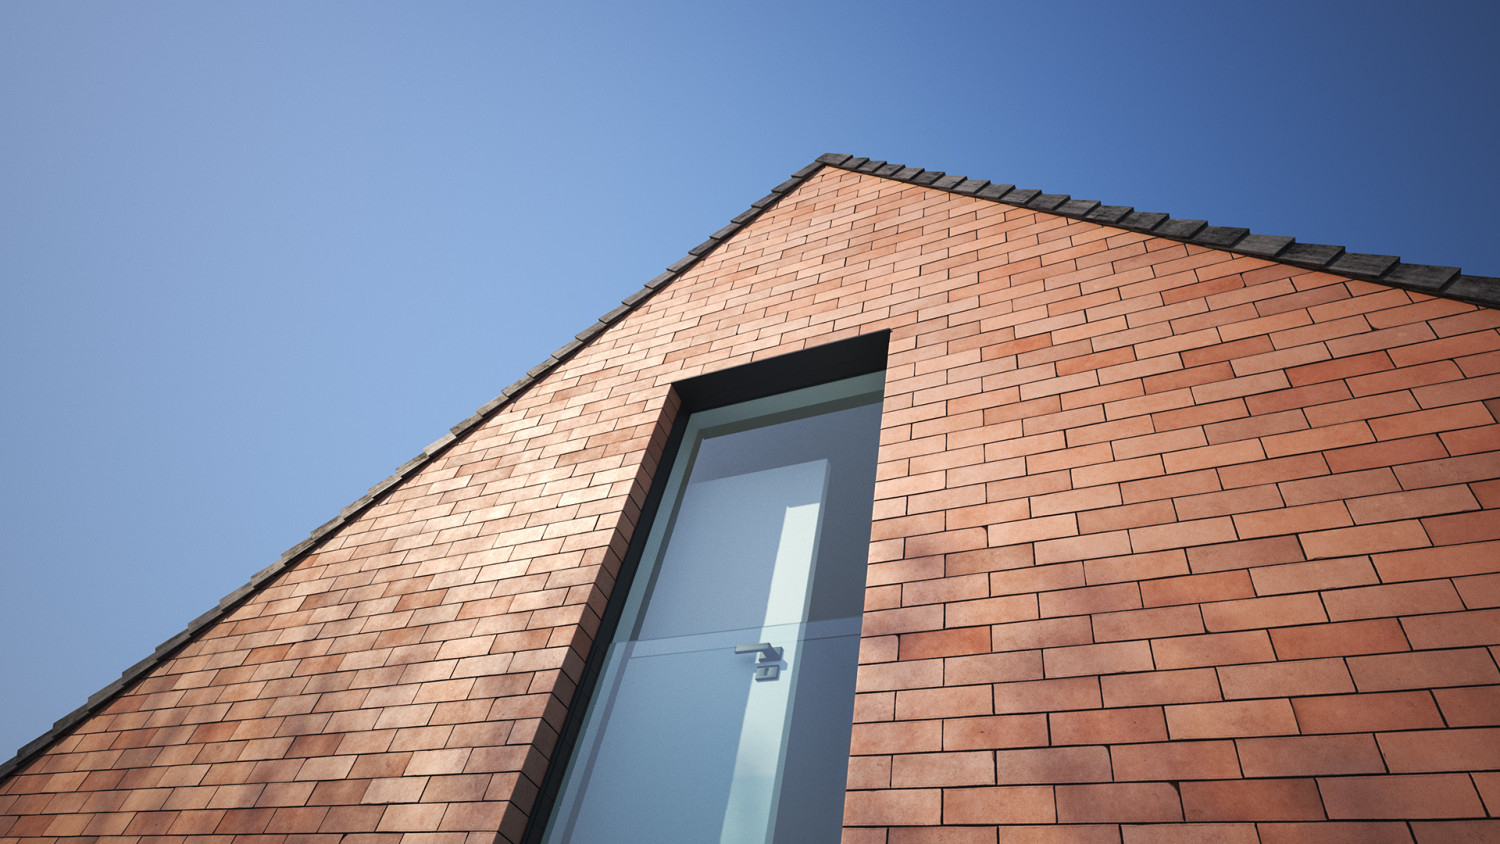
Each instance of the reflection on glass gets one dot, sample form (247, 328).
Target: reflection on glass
(762, 540)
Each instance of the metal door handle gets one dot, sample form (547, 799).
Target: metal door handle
(767, 653)
(768, 666)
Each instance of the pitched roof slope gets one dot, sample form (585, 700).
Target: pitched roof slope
(1447, 282)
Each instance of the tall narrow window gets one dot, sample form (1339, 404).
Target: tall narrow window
(724, 704)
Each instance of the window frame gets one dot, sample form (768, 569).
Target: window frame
(789, 373)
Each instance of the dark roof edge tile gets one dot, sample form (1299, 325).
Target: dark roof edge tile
(1048, 201)
(1220, 237)
(1449, 282)
(1361, 265)
(1108, 214)
(105, 692)
(994, 192)
(353, 510)
(1266, 246)
(1076, 207)
(1478, 289)
(459, 429)
(1312, 256)
(610, 317)
(1421, 276)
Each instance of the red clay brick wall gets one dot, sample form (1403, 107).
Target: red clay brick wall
(1170, 545)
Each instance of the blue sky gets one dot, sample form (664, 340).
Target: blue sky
(253, 256)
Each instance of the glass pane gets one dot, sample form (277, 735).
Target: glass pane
(668, 743)
(698, 750)
(724, 706)
(733, 540)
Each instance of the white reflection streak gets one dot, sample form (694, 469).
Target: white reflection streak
(752, 795)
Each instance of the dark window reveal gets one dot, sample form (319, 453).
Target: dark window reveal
(723, 705)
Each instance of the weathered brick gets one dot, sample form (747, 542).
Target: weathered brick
(1231, 719)
(1212, 649)
(1108, 726)
(1367, 539)
(993, 668)
(1400, 796)
(1020, 804)
(1252, 800)
(1050, 765)
(1428, 669)
(1366, 712)
(925, 770)
(984, 733)
(1188, 760)
(1414, 751)
(1313, 576)
(1043, 633)
(1245, 554)
(1464, 831)
(1285, 679)
(1148, 624)
(1158, 687)
(1425, 563)
(1197, 588)
(1048, 695)
(1340, 639)
(1182, 534)
(897, 737)
(1335, 832)
(951, 702)
(1476, 706)
(1392, 600)
(1274, 611)
(1118, 569)
(1089, 599)
(1107, 658)
(1301, 756)
(1148, 802)
(891, 807)
(967, 640)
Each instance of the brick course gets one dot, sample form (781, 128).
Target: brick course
(1169, 544)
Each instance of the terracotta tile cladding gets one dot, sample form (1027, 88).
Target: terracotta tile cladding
(1182, 533)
